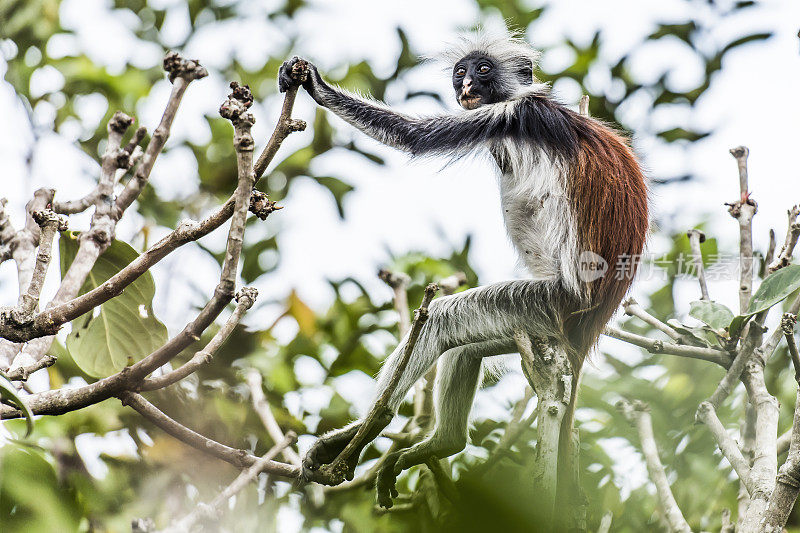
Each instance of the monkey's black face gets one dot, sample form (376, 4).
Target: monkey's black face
(477, 81)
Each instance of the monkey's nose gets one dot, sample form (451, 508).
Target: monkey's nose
(466, 85)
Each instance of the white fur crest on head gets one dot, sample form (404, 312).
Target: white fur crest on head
(510, 50)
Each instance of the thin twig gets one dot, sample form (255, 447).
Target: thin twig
(771, 344)
(245, 299)
(743, 211)
(24, 372)
(262, 408)
(399, 284)
(770, 255)
(712, 355)
(237, 457)
(212, 509)
(181, 73)
(707, 414)
(788, 322)
(792, 233)
(49, 223)
(697, 237)
(639, 416)
(632, 308)
(286, 124)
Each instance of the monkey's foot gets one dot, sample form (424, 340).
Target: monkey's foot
(401, 460)
(325, 450)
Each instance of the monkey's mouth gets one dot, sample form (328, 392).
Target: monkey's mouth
(469, 101)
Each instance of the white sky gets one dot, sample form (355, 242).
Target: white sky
(419, 206)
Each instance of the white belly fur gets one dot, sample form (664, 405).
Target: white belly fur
(538, 216)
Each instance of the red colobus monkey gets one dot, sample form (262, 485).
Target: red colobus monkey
(569, 186)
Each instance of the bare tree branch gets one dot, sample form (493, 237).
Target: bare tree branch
(743, 211)
(181, 73)
(712, 355)
(64, 400)
(707, 414)
(787, 489)
(550, 375)
(49, 223)
(237, 457)
(23, 372)
(245, 299)
(632, 308)
(697, 237)
(262, 408)
(792, 233)
(242, 480)
(286, 124)
(639, 416)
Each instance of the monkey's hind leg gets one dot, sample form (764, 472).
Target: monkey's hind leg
(457, 381)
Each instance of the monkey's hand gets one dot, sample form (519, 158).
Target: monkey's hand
(293, 73)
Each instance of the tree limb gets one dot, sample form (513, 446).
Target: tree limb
(638, 415)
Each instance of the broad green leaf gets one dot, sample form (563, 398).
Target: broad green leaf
(774, 289)
(338, 189)
(699, 336)
(9, 392)
(712, 314)
(125, 329)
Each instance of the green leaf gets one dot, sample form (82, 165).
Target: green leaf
(9, 392)
(712, 314)
(775, 288)
(699, 336)
(125, 329)
(680, 134)
(337, 188)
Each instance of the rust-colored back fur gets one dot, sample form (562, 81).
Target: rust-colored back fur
(609, 196)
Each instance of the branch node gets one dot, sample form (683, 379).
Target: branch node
(120, 122)
(246, 296)
(261, 206)
(178, 67)
(394, 280)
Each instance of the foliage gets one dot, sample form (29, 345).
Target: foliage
(125, 329)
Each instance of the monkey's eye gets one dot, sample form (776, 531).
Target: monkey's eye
(483, 69)
(460, 71)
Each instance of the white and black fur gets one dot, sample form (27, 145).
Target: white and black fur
(537, 145)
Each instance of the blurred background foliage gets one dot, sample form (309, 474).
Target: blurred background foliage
(45, 481)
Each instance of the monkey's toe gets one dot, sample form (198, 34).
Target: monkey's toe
(422, 451)
(387, 481)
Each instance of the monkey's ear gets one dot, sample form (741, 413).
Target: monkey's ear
(525, 73)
